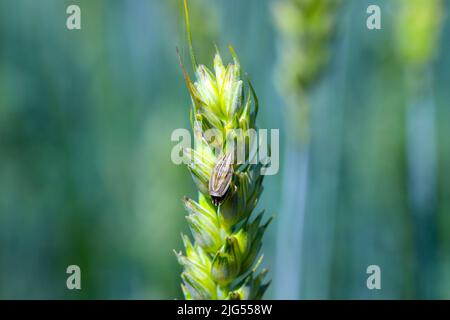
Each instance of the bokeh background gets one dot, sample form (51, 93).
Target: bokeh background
(86, 118)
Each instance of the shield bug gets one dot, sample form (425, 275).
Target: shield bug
(221, 178)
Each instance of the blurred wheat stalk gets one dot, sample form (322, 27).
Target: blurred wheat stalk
(220, 263)
(305, 30)
(419, 25)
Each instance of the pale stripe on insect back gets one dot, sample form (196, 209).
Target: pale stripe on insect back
(221, 176)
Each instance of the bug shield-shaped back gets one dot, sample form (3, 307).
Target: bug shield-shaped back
(221, 177)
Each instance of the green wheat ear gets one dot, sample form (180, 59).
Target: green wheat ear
(220, 262)
(306, 29)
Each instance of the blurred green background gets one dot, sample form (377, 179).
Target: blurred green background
(85, 123)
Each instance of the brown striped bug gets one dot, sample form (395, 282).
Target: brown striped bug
(221, 178)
